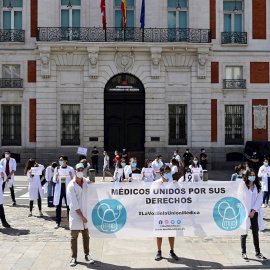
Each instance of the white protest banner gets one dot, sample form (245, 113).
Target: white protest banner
(82, 151)
(126, 210)
(136, 177)
(36, 170)
(148, 170)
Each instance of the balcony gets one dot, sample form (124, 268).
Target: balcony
(12, 35)
(11, 83)
(234, 38)
(113, 34)
(234, 84)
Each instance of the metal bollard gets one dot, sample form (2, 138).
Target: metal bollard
(92, 175)
(205, 175)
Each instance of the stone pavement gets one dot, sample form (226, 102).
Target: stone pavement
(32, 243)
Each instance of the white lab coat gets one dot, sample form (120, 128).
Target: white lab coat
(1, 183)
(197, 173)
(12, 167)
(34, 186)
(57, 190)
(156, 166)
(264, 175)
(186, 178)
(78, 200)
(127, 171)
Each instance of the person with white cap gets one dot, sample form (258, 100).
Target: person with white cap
(77, 193)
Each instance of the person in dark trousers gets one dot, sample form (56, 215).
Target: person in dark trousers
(203, 159)
(94, 158)
(253, 191)
(255, 161)
(62, 176)
(2, 211)
(10, 166)
(187, 158)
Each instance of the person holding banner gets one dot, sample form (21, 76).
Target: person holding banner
(33, 171)
(157, 164)
(165, 172)
(62, 176)
(119, 170)
(77, 193)
(148, 173)
(254, 193)
(264, 173)
(187, 177)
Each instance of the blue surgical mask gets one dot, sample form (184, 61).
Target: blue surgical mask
(247, 168)
(188, 173)
(195, 161)
(167, 176)
(61, 163)
(134, 164)
(123, 164)
(251, 178)
(160, 160)
(265, 163)
(150, 164)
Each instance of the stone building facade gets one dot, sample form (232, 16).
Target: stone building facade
(192, 78)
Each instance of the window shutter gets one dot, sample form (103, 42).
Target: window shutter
(32, 67)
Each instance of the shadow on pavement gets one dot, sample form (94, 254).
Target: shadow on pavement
(14, 232)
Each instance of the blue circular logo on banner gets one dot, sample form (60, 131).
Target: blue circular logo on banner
(229, 213)
(109, 216)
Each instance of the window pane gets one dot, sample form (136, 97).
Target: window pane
(182, 19)
(76, 18)
(227, 23)
(11, 71)
(171, 19)
(14, 3)
(237, 73)
(118, 18)
(238, 22)
(6, 19)
(229, 5)
(130, 3)
(229, 73)
(174, 3)
(73, 2)
(17, 19)
(64, 18)
(130, 18)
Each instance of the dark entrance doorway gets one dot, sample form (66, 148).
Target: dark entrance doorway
(124, 116)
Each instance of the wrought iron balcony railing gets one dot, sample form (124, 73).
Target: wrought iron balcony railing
(234, 84)
(11, 83)
(130, 34)
(12, 35)
(234, 38)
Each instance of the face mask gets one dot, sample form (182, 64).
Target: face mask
(124, 149)
(251, 178)
(123, 164)
(79, 174)
(195, 161)
(247, 168)
(134, 164)
(175, 154)
(167, 176)
(255, 153)
(188, 173)
(6, 155)
(95, 148)
(150, 164)
(265, 163)
(116, 153)
(186, 151)
(160, 160)
(203, 151)
(104, 154)
(61, 163)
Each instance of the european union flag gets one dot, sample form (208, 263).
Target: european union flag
(142, 19)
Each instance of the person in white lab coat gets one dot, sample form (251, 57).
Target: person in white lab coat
(77, 193)
(10, 166)
(156, 165)
(264, 173)
(196, 170)
(149, 176)
(60, 191)
(50, 185)
(3, 177)
(254, 195)
(34, 188)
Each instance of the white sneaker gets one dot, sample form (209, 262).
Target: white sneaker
(264, 205)
(56, 226)
(89, 260)
(102, 180)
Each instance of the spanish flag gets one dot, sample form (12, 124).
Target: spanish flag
(124, 9)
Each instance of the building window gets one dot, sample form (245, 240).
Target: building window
(234, 124)
(233, 20)
(177, 124)
(11, 71)
(118, 17)
(11, 124)
(234, 78)
(12, 19)
(70, 124)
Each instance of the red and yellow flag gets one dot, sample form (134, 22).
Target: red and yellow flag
(124, 9)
